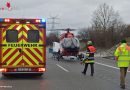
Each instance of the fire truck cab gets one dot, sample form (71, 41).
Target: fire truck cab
(22, 46)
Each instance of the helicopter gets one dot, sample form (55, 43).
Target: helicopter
(68, 45)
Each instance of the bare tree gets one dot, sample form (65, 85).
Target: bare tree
(84, 34)
(52, 37)
(106, 21)
(105, 17)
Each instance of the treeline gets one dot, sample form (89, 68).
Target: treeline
(105, 38)
(52, 37)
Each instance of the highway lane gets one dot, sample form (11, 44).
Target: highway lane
(105, 78)
(66, 75)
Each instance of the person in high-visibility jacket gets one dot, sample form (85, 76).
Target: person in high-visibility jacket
(89, 58)
(122, 56)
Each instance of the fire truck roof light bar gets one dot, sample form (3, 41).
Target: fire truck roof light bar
(17, 20)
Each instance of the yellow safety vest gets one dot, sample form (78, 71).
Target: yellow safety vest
(88, 59)
(123, 55)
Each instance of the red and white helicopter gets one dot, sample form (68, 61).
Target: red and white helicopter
(68, 46)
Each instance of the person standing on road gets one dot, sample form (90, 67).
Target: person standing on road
(122, 56)
(89, 58)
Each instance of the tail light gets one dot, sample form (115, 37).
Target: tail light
(41, 69)
(3, 70)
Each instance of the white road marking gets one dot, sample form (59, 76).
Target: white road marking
(107, 65)
(62, 68)
(6, 86)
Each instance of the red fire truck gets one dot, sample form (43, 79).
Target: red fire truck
(22, 46)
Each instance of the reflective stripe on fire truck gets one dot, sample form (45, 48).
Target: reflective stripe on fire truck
(29, 56)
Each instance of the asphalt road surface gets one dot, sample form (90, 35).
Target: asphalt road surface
(66, 75)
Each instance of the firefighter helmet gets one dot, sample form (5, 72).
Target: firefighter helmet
(89, 43)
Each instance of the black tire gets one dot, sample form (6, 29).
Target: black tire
(58, 57)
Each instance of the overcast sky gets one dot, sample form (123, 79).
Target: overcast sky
(71, 13)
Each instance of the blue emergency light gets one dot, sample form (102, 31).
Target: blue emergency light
(43, 20)
(1, 19)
